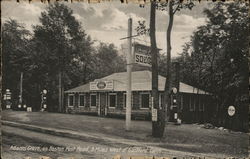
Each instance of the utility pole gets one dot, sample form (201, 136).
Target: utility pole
(61, 83)
(60, 91)
(129, 70)
(21, 89)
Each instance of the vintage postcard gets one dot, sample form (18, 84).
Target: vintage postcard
(132, 79)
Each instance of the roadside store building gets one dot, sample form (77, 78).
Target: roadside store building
(107, 97)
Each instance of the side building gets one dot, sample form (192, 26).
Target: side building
(107, 97)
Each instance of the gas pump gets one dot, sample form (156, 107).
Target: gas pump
(21, 105)
(174, 104)
(44, 100)
(7, 99)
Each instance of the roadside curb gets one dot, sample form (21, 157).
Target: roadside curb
(98, 139)
(75, 135)
(56, 132)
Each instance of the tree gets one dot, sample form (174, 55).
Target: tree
(107, 60)
(15, 55)
(159, 125)
(58, 49)
(172, 7)
(220, 49)
(64, 42)
(141, 29)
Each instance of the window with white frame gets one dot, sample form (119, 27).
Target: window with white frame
(112, 100)
(71, 100)
(144, 100)
(192, 103)
(93, 100)
(124, 100)
(81, 100)
(161, 99)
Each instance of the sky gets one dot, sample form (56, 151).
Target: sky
(108, 21)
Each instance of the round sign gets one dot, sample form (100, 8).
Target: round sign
(174, 90)
(45, 91)
(101, 85)
(8, 92)
(231, 110)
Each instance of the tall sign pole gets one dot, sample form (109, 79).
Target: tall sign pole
(129, 70)
(60, 91)
(21, 89)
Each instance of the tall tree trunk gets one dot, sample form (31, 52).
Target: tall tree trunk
(61, 81)
(60, 91)
(159, 125)
(168, 78)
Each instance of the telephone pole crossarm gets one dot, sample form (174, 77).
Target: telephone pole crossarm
(128, 37)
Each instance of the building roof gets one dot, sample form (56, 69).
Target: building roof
(141, 81)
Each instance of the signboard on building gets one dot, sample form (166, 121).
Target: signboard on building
(142, 54)
(102, 85)
(154, 114)
(29, 109)
(231, 110)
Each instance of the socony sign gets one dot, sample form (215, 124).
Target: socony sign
(143, 59)
(142, 54)
(101, 85)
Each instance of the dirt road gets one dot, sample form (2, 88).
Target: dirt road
(107, 133)
(21, 143)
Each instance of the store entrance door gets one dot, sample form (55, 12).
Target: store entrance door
(103, 102)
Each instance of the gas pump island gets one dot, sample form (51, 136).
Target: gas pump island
(7, 99)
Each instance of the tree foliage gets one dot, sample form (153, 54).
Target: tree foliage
(108, 61)
(16, 54)
(216, 58)
(219, 49)
(171, 7)
(58, 44)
